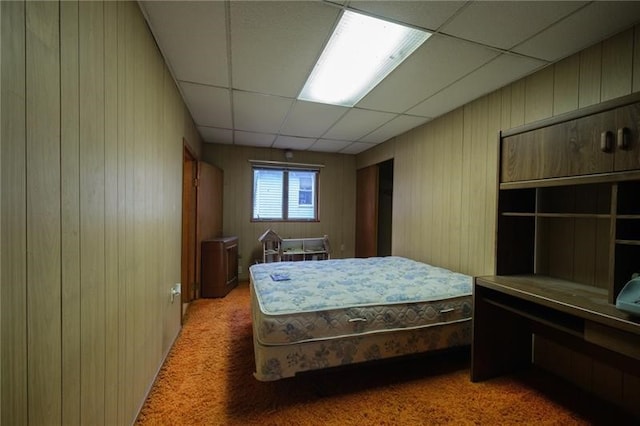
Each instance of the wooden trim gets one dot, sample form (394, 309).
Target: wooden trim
(571, 115)
(573, 180)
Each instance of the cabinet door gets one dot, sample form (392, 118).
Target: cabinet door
(628, 156)
(572, 148)
(586, 155)
(538, 154)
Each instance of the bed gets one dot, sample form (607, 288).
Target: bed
(320, 314)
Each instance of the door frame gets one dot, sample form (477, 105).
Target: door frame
(189, 225)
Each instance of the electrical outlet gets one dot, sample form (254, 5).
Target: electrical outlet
(341, 247)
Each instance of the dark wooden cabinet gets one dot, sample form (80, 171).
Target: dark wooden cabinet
(599, 142)
(219, 266)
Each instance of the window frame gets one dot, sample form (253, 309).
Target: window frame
(286, 169)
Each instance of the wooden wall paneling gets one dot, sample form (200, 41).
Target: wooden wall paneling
(602, 269)
(128, 260)
(539, 95)
(551, 356)
(138, 164)
(43, 212)
(441, 172)
(112, 292)
(442, 169)
(347, 222)
(517, 103)
(402, 219)
(146, 220)
(456, 239)
(636, 59)
(124, 209)
(505, 113)
(419, 189)
(156, 285)
(491, 187)
(171, 182)
(590, 75)
(631, 393)
(70, 198)
(607, 381)
(467, 178)
(150, 241)
(92, 215)
(617, 62)
(584, 255)
(400, 197)
(1, 139)
(13, 225)
(423, 195)
(478, 147)
(580, 370)
(565, 85)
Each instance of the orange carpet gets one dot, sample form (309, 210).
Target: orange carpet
(207, 380)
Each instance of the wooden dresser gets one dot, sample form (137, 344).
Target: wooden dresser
(219, 266)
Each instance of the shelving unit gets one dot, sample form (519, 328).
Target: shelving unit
(277, 249)
(294, 249)
(565, 232)
(568, 240)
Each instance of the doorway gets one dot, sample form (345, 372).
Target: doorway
(374, 210)
(385, 207)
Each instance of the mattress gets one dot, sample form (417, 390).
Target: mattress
(299, 302)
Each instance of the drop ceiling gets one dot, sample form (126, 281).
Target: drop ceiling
(240, 65)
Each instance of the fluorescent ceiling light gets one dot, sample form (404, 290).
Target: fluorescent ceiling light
(360, 53)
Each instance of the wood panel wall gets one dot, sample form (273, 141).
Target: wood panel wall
(336, 200)
(445, 182)
(90, 211)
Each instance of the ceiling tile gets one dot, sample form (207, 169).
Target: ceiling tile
(292, 142)
(505, 24)
(584, 28)
(192, 37)
(426, 14)
(435, 65)
(394, 127)
(311, 119)
(357, 123)
(216, 135)
(259, 113)
(329, 145)
(209, 106)
(356, 148)
(275, 44)
(253, 139)
(490, 77)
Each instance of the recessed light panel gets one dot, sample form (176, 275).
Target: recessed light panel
(361, 52)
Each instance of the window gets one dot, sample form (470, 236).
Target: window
(285, 194)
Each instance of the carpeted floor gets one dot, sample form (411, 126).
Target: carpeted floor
(207, 380)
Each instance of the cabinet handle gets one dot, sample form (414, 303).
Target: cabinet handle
(606, 141)
(624, 138)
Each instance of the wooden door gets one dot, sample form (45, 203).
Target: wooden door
(208, 210)
(367, 212)
(188, 268)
